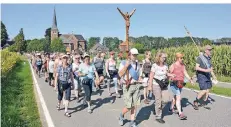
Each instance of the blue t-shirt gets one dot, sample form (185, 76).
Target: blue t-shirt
(87, 69)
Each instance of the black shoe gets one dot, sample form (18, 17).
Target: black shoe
(195, 105)
(160, 121)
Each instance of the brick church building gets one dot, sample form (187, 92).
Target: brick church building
(72, 42)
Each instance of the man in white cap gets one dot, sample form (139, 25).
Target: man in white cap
(129, 71)
(204, 73)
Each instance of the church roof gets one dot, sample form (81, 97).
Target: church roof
(54, 23)
(66, 37)
(98, 47)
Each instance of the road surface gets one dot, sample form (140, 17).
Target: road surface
(107, 109)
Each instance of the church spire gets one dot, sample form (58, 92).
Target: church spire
(54, 25)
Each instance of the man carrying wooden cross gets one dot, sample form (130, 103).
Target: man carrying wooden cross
(129, 72)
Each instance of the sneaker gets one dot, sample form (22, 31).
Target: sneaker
(182, 116)
(97, 88)
(160, 121)
(132, 124)
(121, 120)
(89, 110)
(118, 95)
(195, 105)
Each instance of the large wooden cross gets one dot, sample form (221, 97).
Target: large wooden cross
(127, 17)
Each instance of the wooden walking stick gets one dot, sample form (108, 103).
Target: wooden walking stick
(189, 34)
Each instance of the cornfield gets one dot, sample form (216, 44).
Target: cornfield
(8, 61)
(221, 57)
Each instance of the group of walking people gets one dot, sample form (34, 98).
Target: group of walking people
(82, 73)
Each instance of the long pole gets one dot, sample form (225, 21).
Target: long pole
(189, 34)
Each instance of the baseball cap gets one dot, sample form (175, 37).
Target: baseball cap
(134, 51)
(86, 55)
(208, 47)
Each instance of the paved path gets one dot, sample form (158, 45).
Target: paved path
(105, 113)
(224, 84)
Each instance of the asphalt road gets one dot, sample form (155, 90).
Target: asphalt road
(107, 109)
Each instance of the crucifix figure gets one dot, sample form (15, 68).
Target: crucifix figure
(127, 21)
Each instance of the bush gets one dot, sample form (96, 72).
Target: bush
(8, 61)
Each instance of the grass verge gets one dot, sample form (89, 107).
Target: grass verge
(215, 89)
(19, 106)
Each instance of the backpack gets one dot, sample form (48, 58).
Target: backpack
(147, 68)
(39, 62)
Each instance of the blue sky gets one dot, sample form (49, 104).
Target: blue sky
(167, 20)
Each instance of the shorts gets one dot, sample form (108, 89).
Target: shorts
(204, 82)
(39, 67)
(77, 83)
(51, 77)
(175, 90)
(64, 87)
(113, 74)
(131, 96)
(100, 73)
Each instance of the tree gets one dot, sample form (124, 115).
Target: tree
(92, 41)
(206, 42)
(57, 45)
(48, 33)
(19, 41)
(46, 44)
(35, 45)
(4, 35)
(12, 48)
(139, 47)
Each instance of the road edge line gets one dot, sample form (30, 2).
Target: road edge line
(209, 93)
(43, 103)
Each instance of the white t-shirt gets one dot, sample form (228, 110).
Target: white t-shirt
(159, 72)
(51, 66)
(75, 67)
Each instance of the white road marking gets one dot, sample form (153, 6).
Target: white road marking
(209, 93)
(44, 107)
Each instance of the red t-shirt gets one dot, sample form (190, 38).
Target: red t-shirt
(178, 71)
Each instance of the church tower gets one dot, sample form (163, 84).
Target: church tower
(54, 28)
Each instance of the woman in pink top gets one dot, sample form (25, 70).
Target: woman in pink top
(178, 69)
